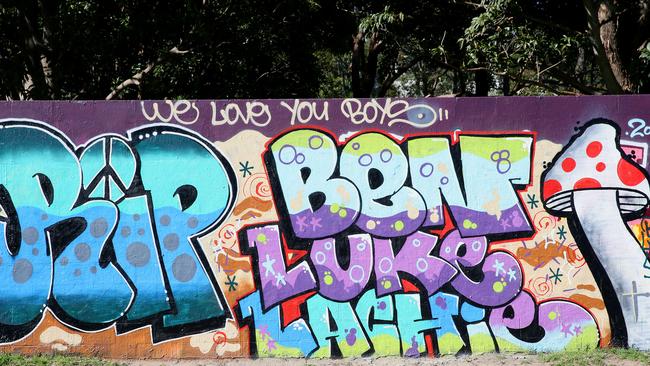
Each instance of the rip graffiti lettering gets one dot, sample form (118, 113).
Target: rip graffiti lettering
(107, 233)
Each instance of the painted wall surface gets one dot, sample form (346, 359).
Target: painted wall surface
(324, 228)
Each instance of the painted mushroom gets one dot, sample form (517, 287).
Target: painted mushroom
(594, 184)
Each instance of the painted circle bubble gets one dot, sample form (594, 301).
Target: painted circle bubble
(328, 245)
(300, 158)
(365, 160)
(192, 222)
(138, 254)
(426, 169)
(356, 273)
(385, 155)
(444, 180)
(22, 271)
(320, 257)
(184, 268)
(171, 241)
(125, 232)
(416, 243)
(287, 154)
(99, 227)
(421, 264)
(476, 245)
(165, 220)
(361, 247)
(356, 146)
(82, 252)
(30, 235)
(315, 142)
(385, 265)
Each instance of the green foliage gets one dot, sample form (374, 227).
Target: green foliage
(537, 53)
(71, 49)
(377, 22)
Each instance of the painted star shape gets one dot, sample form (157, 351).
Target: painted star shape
(300, 221)
(245, 168)
(512, 275)
(556, 276)
(533, 202)
(268, 266)
(566, 329)
(561, 232)
(315, 223)
(577, 330)
(279, 278)
(264, 331)
(271, 345)
(232, 285)
(498, 266)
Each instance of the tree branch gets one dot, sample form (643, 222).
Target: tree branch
(137, 77)
(386, 84)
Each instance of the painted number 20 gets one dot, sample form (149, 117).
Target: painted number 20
(639, 128)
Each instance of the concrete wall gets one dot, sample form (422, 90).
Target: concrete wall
(323, 228)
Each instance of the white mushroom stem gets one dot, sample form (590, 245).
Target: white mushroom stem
(622, 258)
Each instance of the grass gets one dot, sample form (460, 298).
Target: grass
(595, 357)
(10, 359)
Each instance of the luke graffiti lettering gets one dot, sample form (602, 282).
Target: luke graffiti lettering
(379, 274)
(107, 233)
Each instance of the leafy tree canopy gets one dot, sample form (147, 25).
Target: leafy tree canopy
(128, 49)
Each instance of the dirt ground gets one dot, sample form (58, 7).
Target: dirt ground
(482, 360)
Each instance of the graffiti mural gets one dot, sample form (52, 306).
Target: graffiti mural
(324, 228)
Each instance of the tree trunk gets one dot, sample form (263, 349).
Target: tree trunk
(39, 78)
(603, 27)
(458, 88)
(482, 83)
(358, 64)
(609, 37)
(364, 64)
(505, 85)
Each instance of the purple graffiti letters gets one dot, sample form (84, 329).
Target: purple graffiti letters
(277, 283)
(413, 258)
